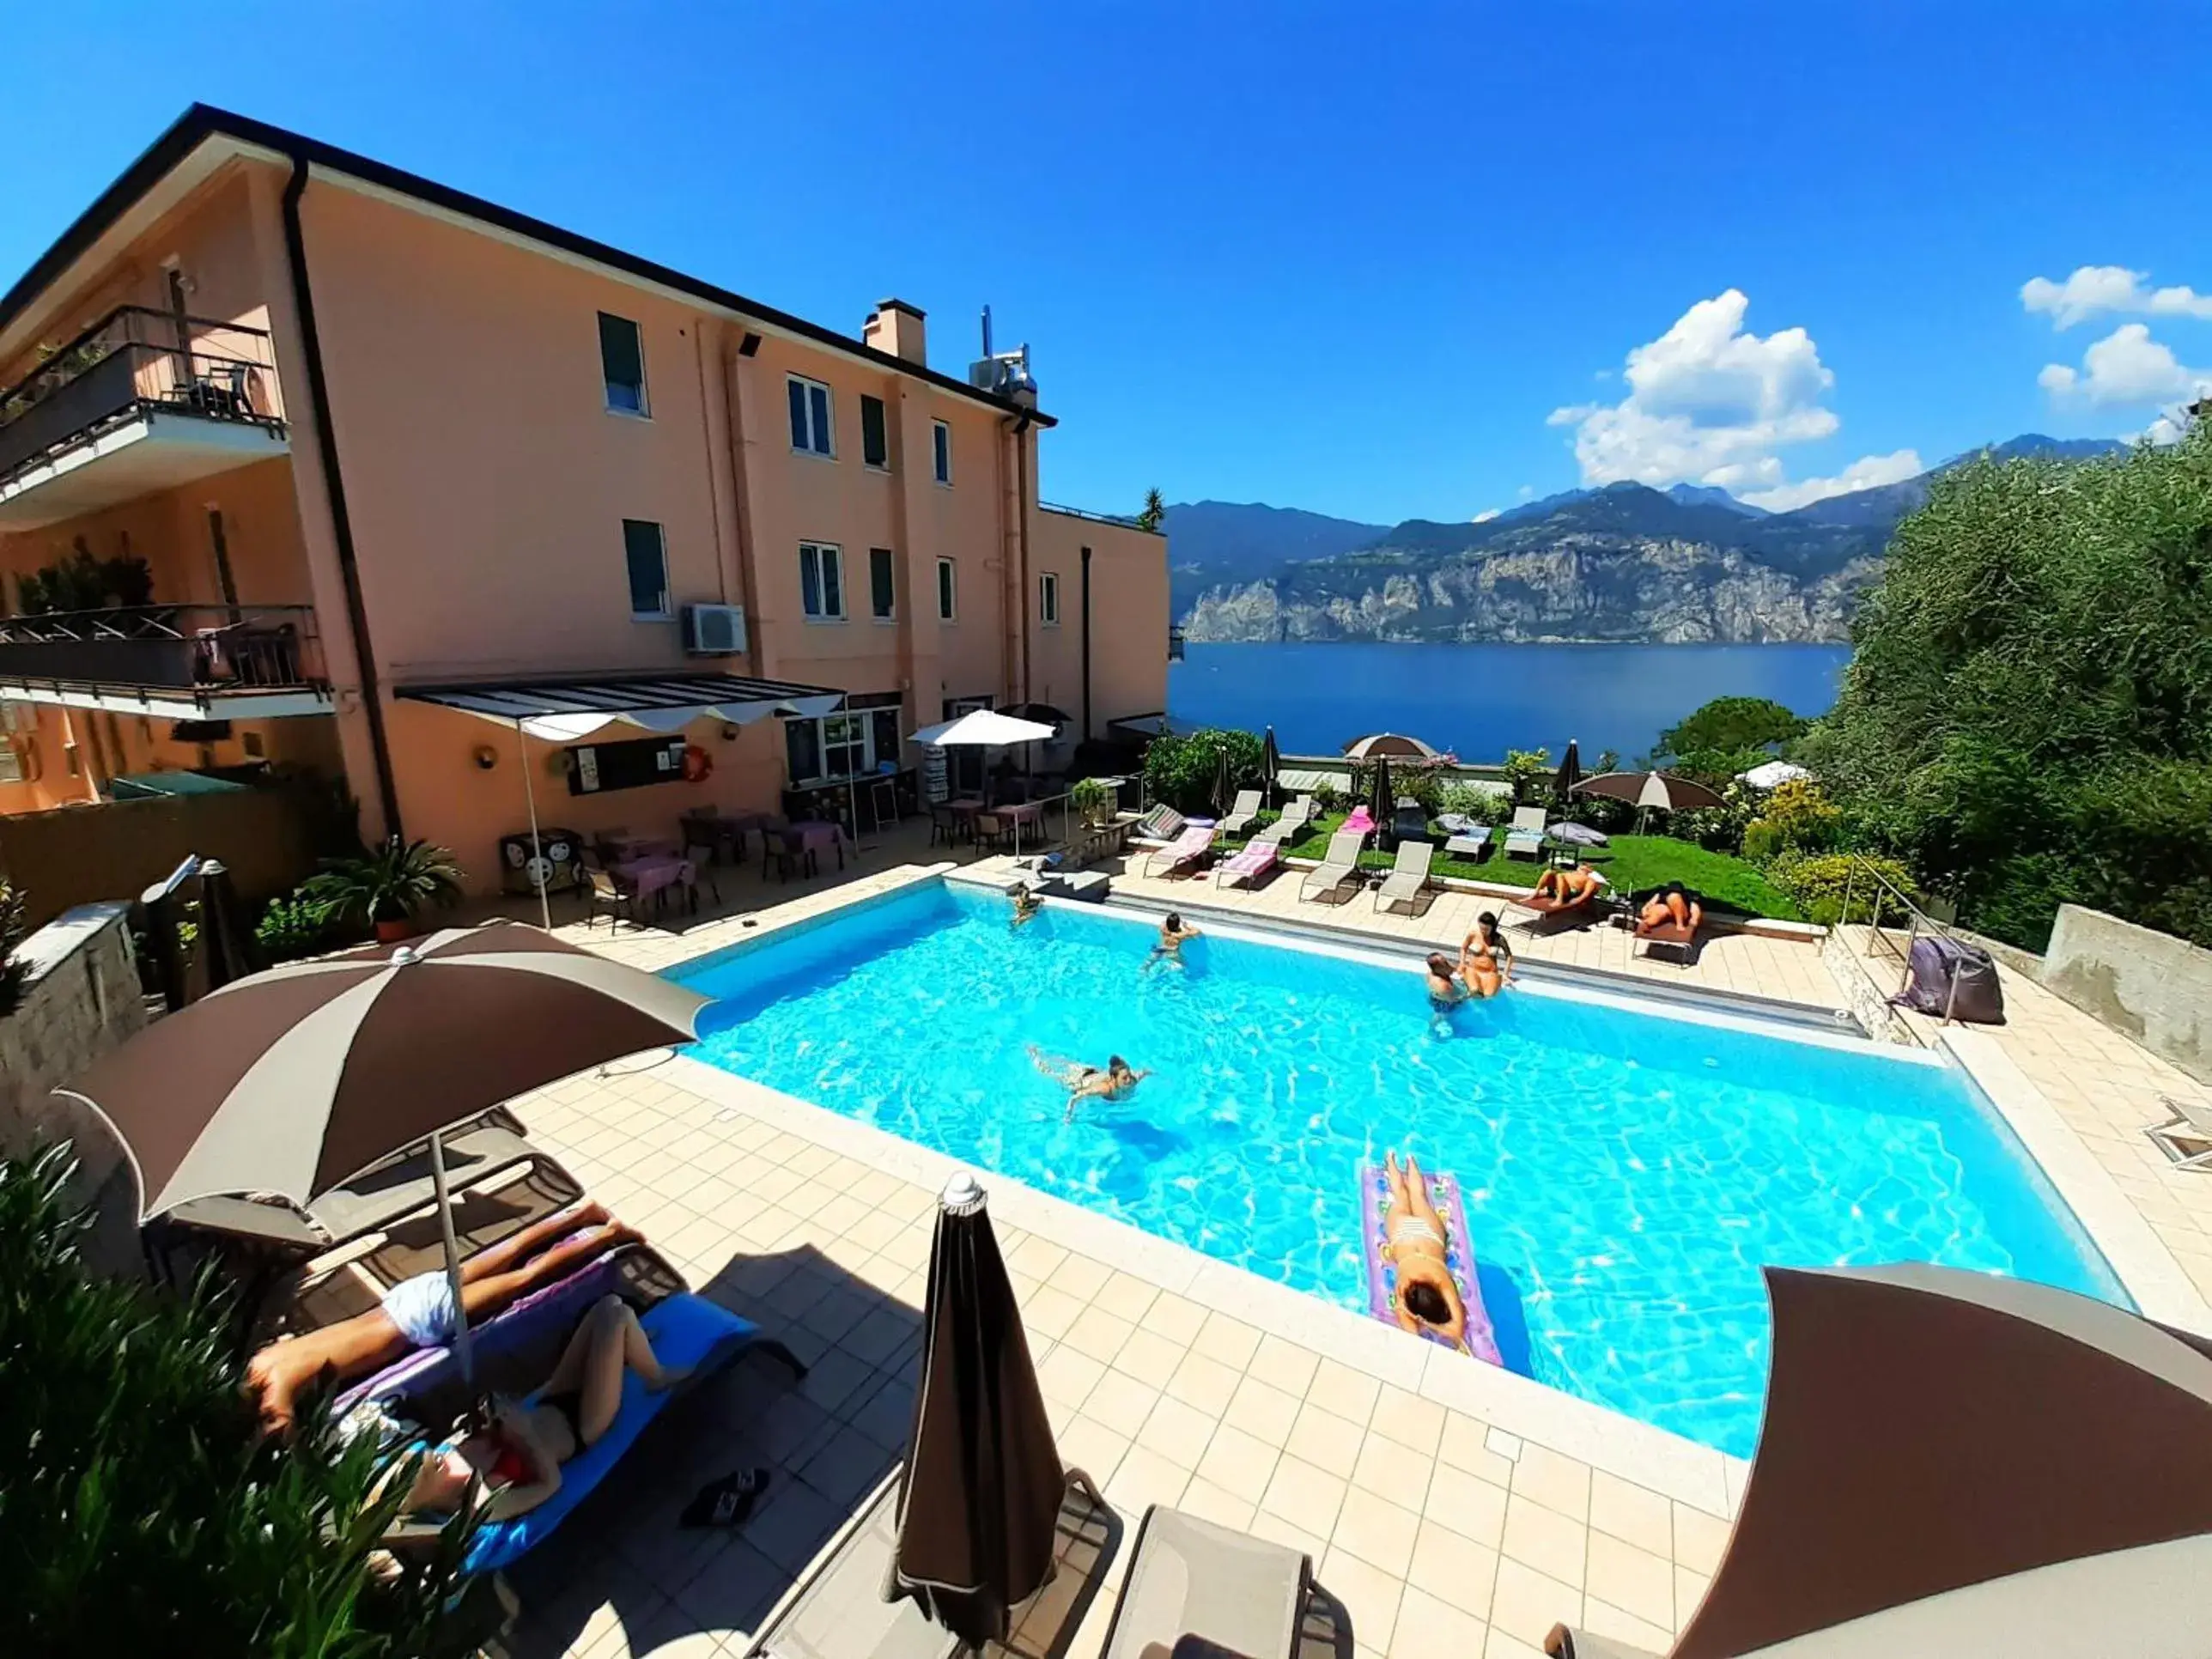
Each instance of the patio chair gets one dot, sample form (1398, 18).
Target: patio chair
(2186, 1136)
(1292, 823)
(1526, 837)
(1339, 866)
(700, 847)
(613, 894)
(1472, 843)
(1259, 858)
(1409, 878)
(991, 830)
(1186, 848)
(1162, 823)
(1196, 1588)
(1241, 815)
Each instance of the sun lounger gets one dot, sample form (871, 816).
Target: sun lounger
(1579, 909)
(1681, 935)
(1527, 834)
(1339, 866)
(1163, 823)
(1292, 823)
(1190, 845)
(1253, 862)
(1409, 878)
(1220, 1591)
(2186, 1136)
(1240, 815)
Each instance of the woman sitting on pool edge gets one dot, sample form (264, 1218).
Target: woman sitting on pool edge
(1414, 1243)
(1486, 957)
(1112, 1082)
(1173, 932)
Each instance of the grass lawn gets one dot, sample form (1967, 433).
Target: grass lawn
(1631, 864)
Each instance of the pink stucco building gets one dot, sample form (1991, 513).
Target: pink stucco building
(383, 449)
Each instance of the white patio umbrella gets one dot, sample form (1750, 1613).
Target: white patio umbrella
(984, 728)
(1772, 774)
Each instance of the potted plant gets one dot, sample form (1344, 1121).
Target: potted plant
(384, 890)
(1093, 802)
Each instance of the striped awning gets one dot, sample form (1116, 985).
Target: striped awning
(561, 711)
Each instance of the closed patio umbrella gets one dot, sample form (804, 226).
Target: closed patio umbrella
(288, 1082)
(980, 1494)
(228, 951)
(1224, 793)
(1271, 762)
(1571, 769)
(1381, 806)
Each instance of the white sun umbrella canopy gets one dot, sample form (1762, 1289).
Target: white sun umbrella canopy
(1773, 774)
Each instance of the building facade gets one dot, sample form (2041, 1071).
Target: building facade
(302, 456)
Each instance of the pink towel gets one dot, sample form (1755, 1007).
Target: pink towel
(1256, 859)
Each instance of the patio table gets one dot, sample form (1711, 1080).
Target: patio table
(806, 838)
(628, 848)
(653, 875)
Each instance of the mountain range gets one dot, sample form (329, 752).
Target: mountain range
(1623, 561)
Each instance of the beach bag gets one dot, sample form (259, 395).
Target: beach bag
(1945, 976)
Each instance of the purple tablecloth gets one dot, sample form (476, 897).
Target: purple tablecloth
(650, 876)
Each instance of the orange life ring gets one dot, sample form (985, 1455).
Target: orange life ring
(697, 763)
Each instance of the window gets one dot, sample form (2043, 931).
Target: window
(942, 435)
(875, 447)
(646, 552)
(947, 593)
(882, 596)
(820, 582)
(12, 721)
(622, 360)
(810, 417)
(1048, 599)
(852, 744)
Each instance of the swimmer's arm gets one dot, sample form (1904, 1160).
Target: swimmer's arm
(1406, 1322)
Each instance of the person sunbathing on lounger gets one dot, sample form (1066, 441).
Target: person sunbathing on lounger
(1570, 886)
(1413, 1234)
(418, 1312)
(1673, 906)
(1485, 959)
(517, 1455)
(1111, 1082)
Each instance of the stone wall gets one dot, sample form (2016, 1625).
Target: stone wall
(1867, 984)
(80, 999)
(2145, 984)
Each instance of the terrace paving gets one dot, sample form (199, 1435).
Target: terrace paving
(1439, 1508)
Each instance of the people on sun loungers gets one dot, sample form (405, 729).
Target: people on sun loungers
(1026, 905)
(517, 1455)
(1570, 886)
(418, 1312)
(1112, 1081)
(1173, 932)
(1445, 989)
(1674, 906)
(1485, 959)
(1415, 1236)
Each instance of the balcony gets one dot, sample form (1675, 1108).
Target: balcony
(141, 401)
(180, 661)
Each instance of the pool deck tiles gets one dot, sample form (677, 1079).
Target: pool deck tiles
(1170, 1378)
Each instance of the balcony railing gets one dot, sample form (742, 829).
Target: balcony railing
(1123, 519)
(198, 647)
(135, 361)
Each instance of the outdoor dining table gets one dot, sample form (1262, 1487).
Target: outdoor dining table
(804, 839)
(652, 876)
(628, 848)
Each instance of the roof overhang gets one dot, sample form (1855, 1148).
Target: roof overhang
(562, 711)
(169, 705)
(203, 139)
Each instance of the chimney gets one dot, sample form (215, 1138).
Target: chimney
(895, 326)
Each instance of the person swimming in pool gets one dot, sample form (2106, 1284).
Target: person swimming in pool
(1026, 905)
(1112, 1081)
(1414, 1243)
(1486, 957)
(1173, 932)
(1445, 990)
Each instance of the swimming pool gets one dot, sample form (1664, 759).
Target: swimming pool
(1627, 1172)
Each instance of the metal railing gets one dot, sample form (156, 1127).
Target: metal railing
(132, 361)
(204, 648)
(1889, 906)
(1121, 518)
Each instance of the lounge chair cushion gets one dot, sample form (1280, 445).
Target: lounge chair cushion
(685, 1330)
(1189, 1577)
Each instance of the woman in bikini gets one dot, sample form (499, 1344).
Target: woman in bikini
(518, 1455)
(418, 1312)
(1173, 932)
(1111, 1082)
(1672, 905)
(1414, 1232)
(1485, 958)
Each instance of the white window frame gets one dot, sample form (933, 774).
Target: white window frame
(836, 560)
(948, 590)
(829, 412)
(1048, 599)
(667, 599)
(940, 446)
(884, 617)
(862, 721)
(644, 409)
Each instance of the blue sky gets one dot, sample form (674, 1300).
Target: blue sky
(1383, 261)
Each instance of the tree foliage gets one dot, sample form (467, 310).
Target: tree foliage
(2028, 716)
(141, 1510)
(1179, 770)
(1154, 512)
(1731, 725)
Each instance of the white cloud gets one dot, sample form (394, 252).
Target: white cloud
(2126, 367)
(1526, 491)
(1486, 515)
(2165, 429)
(2093, 290)
(1710, 403)
(1862, 474)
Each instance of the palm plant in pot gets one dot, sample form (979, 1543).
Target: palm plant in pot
(384, 889)
(1093, 801)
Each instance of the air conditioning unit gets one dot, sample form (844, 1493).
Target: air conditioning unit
(714, 630)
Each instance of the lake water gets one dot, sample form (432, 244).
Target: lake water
(1478, 701)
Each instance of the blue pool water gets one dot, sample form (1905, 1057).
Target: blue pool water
(1626, 1173)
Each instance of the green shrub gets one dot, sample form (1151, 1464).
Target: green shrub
(1092, 800)
(391, 883)
(1797, 817)
(1732, 724)
(291, 927)
(1821, 883)
(1327, 798)
(1468, 801)
(141, 1510)
(1179, 770)
(1528, 773)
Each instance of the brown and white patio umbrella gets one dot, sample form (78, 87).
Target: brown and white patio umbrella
(980, 1494)
(1659, 790)
(288, 1082)
(1376, 745)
